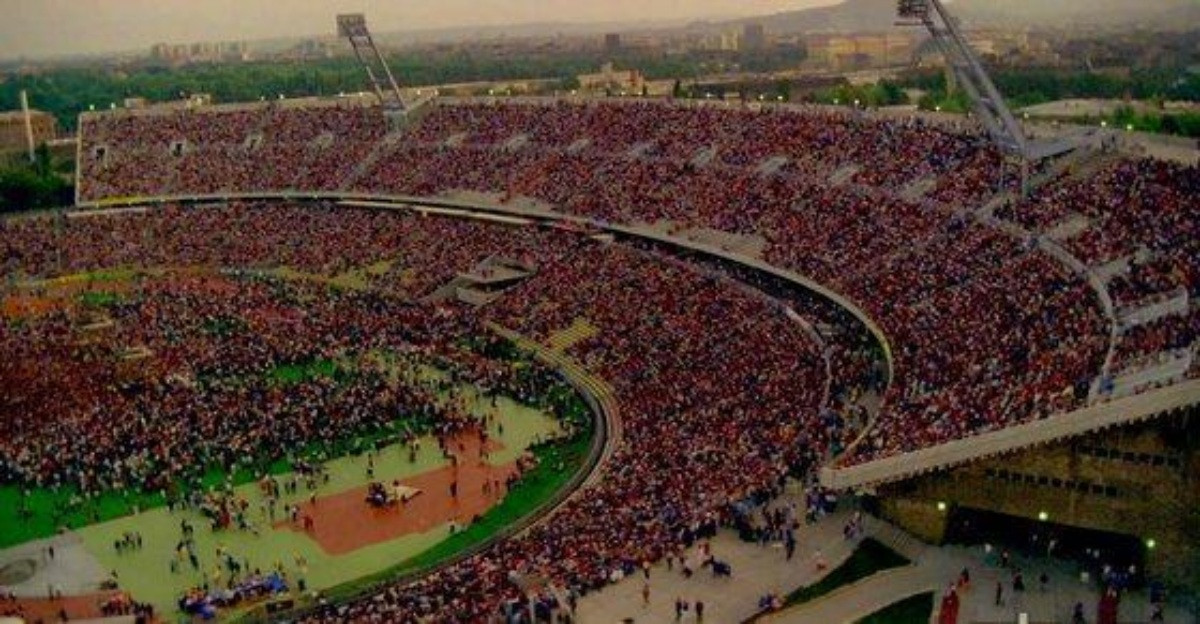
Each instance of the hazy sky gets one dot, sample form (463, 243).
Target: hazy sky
(50, 27)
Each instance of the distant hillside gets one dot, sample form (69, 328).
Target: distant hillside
(876, 15)
(849, 16)
(1177, 13)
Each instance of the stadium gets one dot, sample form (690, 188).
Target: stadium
(501, 359)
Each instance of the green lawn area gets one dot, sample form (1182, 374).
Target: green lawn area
(52, 508)
(99, 299)
(290, 374)
(914, 610)
(870, 557)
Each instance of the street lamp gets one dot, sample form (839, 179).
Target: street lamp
(1043, 516)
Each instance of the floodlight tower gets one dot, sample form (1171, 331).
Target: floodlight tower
(986, 100)
(353, 26)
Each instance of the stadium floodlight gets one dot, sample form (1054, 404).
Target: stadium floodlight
(353, 26)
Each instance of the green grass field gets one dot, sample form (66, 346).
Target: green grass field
(914, 610)
(870, 557)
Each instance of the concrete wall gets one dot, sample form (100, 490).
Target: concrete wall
(1142, 481)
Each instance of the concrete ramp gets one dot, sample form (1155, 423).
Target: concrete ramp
(516, 143)
(1156, 370)
(843, 175)
(917, 190)
(1168, 305)
(772, 165)
(1073, 226)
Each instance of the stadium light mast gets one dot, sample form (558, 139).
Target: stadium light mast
(986, 100)
(353, 26)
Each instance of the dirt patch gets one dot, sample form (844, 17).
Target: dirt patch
(83, 607)
(17, 572)
(345, 522)
(21, 306)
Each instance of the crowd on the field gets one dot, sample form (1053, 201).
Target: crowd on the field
(181, 376)
(697, 392)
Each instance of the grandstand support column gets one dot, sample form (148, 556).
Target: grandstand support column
(353, 26)
(28, 124)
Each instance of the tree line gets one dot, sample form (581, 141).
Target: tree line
(40, 183)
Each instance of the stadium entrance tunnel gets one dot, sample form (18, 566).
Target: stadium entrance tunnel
(1092, 549)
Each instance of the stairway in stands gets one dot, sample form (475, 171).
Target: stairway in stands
(579, 331)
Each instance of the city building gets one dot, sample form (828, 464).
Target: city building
(12, 129)
(754, 37)
(611, 79)
(730, 42)
(205, 52)
(612, 42)
(862, 51)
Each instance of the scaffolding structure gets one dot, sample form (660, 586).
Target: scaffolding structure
(353, 26)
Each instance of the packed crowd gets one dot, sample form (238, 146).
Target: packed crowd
(829, 191)
(985, 329)
(272, 145)
(1140, 214)
(988, 330)
(184, 379)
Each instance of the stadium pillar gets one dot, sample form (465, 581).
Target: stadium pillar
(28, 124)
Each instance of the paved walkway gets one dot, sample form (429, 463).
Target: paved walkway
(1055, 603)
(757, 571)
(936, 568)
(761, 570)
(72, 570)
(854, 602)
